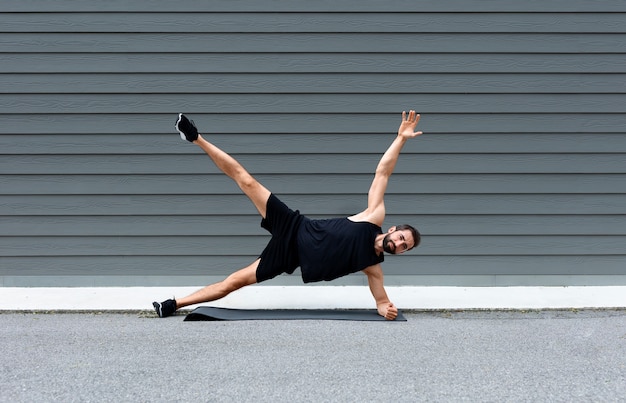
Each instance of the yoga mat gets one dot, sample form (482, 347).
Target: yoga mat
(207, 313)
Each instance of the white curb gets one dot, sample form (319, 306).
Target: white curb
(324, 297)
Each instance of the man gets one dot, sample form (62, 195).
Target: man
(323, 249)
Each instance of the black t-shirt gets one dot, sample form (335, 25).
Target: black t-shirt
(332, 248)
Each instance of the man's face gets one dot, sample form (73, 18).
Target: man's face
(396, 242)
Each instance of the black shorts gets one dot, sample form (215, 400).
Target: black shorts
(281, 253)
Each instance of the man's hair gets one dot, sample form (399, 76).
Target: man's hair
(416, 235)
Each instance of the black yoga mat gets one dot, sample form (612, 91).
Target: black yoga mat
(206, 313)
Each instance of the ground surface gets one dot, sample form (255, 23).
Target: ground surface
(557, 356)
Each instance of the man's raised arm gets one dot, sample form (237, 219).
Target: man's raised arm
(375, 212)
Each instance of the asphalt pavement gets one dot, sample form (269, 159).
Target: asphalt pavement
(475, 356)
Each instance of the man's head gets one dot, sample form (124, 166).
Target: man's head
(400, 239)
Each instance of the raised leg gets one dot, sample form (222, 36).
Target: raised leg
(256, 192)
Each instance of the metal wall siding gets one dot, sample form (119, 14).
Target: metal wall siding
(519, 178)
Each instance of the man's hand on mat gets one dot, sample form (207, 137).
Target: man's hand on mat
(388, 310)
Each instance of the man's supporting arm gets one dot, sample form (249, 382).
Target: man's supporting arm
(385, 307)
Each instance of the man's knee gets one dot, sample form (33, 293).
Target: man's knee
(240, 279)
(231, 284)
(256, 192)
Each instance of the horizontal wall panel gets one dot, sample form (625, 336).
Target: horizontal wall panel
(305, 83)
(201, 225)
(338, 143)
(315, 103)
(268, 22)
(335, 205)
(405, 266)
(423, 6)
(203, 184)
(431, 123)
(471, 280)
(249, 224)
(318, 164)
(547, 63)
(86, 43)
(233, 245)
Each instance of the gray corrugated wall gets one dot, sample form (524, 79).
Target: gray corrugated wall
(520, 177)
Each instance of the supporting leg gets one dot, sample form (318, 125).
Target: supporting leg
(212, 292)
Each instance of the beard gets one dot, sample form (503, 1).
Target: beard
(388, 245)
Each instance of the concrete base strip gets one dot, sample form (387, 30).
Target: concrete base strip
(318, 297)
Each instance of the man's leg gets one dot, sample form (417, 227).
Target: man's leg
(256, 192)
(212, 292)
(235, 281)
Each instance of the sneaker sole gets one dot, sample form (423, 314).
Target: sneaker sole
(157, 308)
(182, 135)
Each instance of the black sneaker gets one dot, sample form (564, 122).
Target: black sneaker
(186, 128)
(165, 308)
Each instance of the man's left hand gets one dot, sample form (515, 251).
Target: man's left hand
(388, 311)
